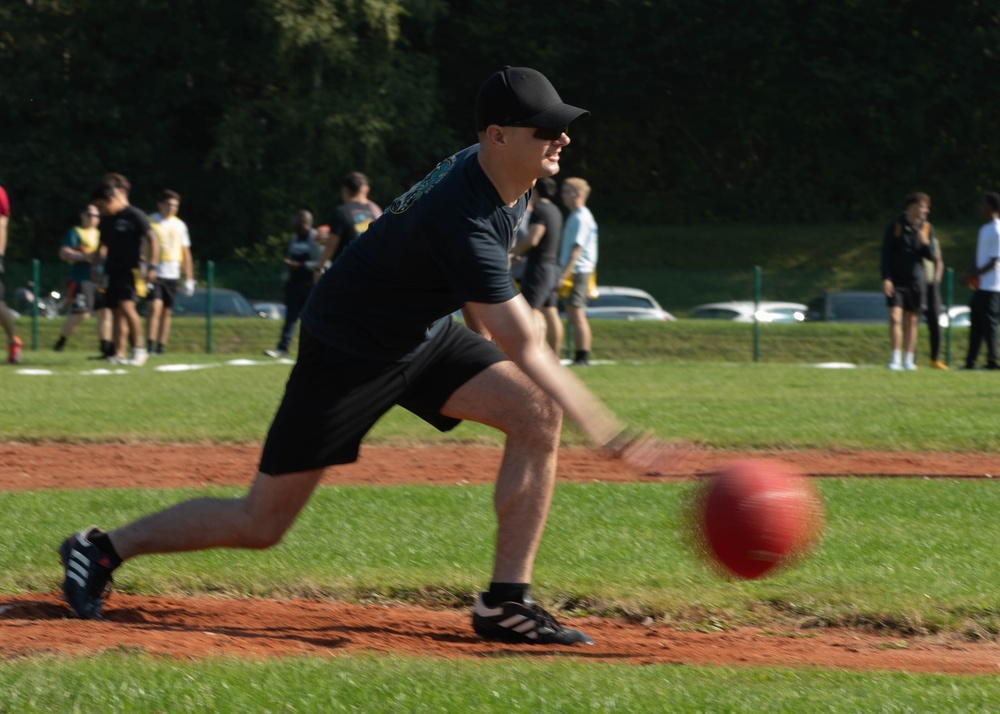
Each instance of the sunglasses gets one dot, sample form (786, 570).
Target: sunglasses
(550, 134)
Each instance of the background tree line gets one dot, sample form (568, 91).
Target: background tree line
(761, 111)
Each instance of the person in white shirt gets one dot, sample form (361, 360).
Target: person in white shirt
(175, 259)
(578, 258)
(985, 305)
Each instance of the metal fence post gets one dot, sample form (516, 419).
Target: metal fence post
(756, 308)
(36, 278)
(208, 305)
(949, 288)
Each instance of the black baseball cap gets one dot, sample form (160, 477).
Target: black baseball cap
(521, 96)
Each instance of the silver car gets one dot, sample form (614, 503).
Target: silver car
(614, 302)
(748, 311)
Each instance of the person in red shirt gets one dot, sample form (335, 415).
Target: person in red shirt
(6, 319)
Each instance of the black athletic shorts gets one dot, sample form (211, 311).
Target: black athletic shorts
(539, 284)
(164, 289)
(911, 298)
(121, 288)
(332, 400)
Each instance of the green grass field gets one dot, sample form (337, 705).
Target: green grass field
(910, 554)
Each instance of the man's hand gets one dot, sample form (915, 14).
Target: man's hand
(888, 288)
(644, 452)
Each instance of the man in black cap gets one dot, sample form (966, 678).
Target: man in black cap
(378, 332)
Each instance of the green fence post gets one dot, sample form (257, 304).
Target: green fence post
(208, 305)
(949, 287)
(36, 278)
(756, 308)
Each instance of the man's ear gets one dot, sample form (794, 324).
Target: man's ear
(496, 135)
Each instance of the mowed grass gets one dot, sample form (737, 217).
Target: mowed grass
(139, 684)
(717, 405)
(906, 554)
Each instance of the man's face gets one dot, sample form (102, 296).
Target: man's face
(568, 195)
(110, 206)
(918, 211)
(538, 149)
(169, 208)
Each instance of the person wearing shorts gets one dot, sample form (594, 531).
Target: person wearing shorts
(578, 257)
(540, 247)
(78, 249)
(175, 261)
(124, 231)
(905, 245)
(378, 332)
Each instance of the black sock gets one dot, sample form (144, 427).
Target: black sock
(107, 348)
(582, 355)
(159, 348)
(61, 342)
(104, 544)
(149, 346)
(505, 592)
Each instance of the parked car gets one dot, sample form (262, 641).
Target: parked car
(746, 311)
(270, 310)
(614, 302)
(225, 303)
(849, 306)
(959, 315)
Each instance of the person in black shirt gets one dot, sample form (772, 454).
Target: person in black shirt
(377, 331)
(541, 250)
(300, 269)
(125, 232)
(350, 219)
(905, 245)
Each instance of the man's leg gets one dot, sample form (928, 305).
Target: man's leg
(990, 320)
(164, 328)
(503, 397)
(581, 329)
(258, 520)
(553, 328)
(896, 336)
(976, 308)
(910, 320)
(153, 322)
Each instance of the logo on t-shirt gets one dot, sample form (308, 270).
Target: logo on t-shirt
(404, 202)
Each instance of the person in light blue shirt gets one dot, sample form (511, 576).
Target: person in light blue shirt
(578, 258)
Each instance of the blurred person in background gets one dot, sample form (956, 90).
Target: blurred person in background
(933, 272)
(350, 219)
(175, 261)
(578, 257)
(78, 249)
(125, 236)
(905, 245)
(984, 275)
(540, 248)
(301, 264)
(6, 319)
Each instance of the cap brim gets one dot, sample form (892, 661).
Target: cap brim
(555, 117)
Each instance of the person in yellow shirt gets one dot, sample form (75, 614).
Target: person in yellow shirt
(78, 248)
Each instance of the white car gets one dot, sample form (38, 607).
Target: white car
(747, 311)
(614, 302)
(959, 315)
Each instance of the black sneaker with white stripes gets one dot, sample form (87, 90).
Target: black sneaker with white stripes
(87, 574)
(524, 623)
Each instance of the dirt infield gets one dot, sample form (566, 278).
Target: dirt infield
(198, 627)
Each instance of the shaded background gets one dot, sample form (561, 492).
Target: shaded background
(767, 111)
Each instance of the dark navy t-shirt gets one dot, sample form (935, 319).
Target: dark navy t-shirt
(123, 234)
(438, 246)
(548, 215)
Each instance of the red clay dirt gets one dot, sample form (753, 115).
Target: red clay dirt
(256, 628)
